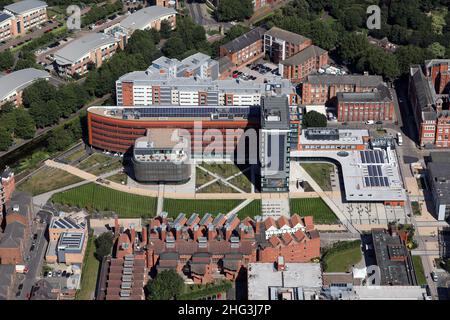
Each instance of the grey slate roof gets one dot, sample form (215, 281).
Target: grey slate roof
(141, 18)
(19, 80)
(14, 234)
(245, 40)
(24, 6)
(286, 35)
(76, 49)
(7, 272)
(423, 91)
(360, 80)
(303, 56)
(380, 94)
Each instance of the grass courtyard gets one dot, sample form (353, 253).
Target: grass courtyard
(342, 256)
(47, 179)
(251, 210)
(176, 206)
(320, 172)
(89, 273)
(315, 207)
(95, 197)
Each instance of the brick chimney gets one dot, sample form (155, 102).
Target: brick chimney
(195, 232)
(211, 232)
(144, 235)
(178, 232)
(228, 232)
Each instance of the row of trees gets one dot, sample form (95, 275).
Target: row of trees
(98, 13)
(234, 10)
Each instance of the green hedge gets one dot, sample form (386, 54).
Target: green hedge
(209, 290)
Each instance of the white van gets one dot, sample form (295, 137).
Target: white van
(369, 122)
(399, 138)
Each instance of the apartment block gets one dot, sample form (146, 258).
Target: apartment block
(281, 44)
(376, 105)
(149, 18)
(19, 17)
(297, 67)
(438, 178)
(89, 51)
(244, 49)
(429, 95)
(318, 89)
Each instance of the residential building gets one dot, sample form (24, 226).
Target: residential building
(201, 247)
(319, 89)
(124, 274)
(281, 44)
(167, 3)
(149, 18)
(19, 17)
(284, 281)
(438, 178)
(7, 280)
(429, 95)
(244, 49)
(377, 105)
(89, 51)
(162, 156)
(297, 67)
(275, 144)
(16, 235)
(13, 84)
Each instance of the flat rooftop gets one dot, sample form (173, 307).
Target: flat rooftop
(178, 113)
(262, 276)
(22, 7)
(370, 175)
(159, 138)
(331, 136)
(390, 292)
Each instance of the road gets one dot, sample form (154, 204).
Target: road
(35, 263)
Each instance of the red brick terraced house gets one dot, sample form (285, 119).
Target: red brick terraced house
(299, 66)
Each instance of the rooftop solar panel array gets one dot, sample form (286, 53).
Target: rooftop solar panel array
(67, 223)
(372, 156)
(375, 177)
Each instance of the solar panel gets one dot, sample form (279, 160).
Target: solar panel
(386, 181)
(363, 157)
(366, 180)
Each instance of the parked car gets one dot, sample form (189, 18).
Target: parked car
(63, 274)
(50, 274)
(20, 286)
(379, 122)
(35, 236)
(32, 247)
(369, 122)
(434, 276)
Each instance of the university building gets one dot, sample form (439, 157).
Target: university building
(429, 95)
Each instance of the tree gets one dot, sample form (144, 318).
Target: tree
(6, 60)
(174, 47)
(351, 45)
(25, 128)
(437, 49)
(103, 245)
(323, 35)
(5, 139)
(231, 10)
(165, 29)
(167, 285)
(314, 119)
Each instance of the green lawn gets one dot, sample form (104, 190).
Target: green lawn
(96, 197)
(90, 272)
(119, 178)
(217, 187)
(420, 273)
(202, 177)
(75, 156)
(315, 207)
(176, 206)
(99, 163)
(342, 256)
(320, 172)
(47, 179)
(242, 182)
(224, 170)
(251, 210)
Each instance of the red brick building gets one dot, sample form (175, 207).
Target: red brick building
(244, 49)
(429, 94)
(281, 44)
(376, 105)
(299, 66)
(321, 88)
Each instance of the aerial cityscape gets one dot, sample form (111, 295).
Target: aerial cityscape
(231, 150)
